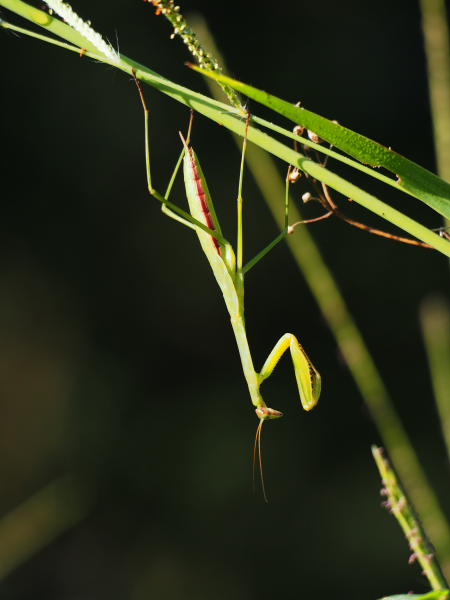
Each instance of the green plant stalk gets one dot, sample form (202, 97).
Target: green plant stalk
(39, 520)
(398, 504)
(181, 28)
(437, 49)
(234, 120)
(349, 339)
(435, 320)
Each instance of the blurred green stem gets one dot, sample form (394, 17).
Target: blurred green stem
(437, 49)
(435, 319)
(348, 338)
(39, 520)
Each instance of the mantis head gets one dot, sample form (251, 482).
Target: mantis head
(264, 412)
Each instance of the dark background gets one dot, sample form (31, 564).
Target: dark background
(117, 361)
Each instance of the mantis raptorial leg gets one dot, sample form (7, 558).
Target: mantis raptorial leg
(229, 272)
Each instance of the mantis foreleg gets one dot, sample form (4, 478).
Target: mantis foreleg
(307, 376)
(308, 383)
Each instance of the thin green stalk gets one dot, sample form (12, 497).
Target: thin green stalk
(350, 342)
(398, 503)
(437, 49)
(435, 319)
(255, 260)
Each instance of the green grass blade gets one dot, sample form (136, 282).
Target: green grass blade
(412, 178)
(435, 320)
(234, 120)
(437, 49)
(43, 19)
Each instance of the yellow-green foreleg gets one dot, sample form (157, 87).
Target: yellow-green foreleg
(307, 376)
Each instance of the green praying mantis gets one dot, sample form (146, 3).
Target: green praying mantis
(229, 271)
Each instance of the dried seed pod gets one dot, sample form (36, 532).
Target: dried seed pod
(294, 175)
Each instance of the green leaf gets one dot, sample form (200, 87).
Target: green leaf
(235, 121)
(411, 177)
(436, 595)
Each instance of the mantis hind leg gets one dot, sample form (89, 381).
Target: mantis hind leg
(307, 376)
(168, 208)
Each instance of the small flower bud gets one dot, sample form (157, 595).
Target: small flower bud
(314, 137)
(294, 175)
(298, 130)
(401, 503)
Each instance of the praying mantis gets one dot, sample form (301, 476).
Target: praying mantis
(229, 272)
